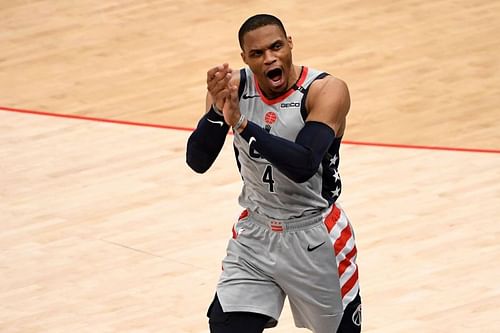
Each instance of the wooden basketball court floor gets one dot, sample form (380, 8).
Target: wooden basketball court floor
(103, 228)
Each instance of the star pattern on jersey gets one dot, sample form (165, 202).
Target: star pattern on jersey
(333, 160)
(333, 183)
(336, 175)
(336, 193)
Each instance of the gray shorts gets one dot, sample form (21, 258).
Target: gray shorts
(268, 260)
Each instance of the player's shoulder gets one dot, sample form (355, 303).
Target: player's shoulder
(330, 83)
(329, 87)
(329, 93)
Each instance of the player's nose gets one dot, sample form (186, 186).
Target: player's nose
(269, 57)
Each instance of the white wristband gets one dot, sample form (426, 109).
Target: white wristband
(237, 126)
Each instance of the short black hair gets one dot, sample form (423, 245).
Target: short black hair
(257, 21)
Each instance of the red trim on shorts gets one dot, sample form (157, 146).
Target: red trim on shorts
(332, 218)
(290, 91)
(243, 214)
(340, 243)
(235, 234)
(347, 261)
(350, 283)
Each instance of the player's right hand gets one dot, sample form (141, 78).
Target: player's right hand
(217, 84)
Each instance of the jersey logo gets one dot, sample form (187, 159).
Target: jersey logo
(310, 249)
(216, 122)
(290, 105)
(245, 96)
(356, 316)
(252, 139)
(270, 117)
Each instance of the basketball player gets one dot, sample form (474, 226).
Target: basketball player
(292, 239)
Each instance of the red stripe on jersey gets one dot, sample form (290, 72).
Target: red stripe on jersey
(332, 218)
(342, 240)
(347, 261)
(350, 283)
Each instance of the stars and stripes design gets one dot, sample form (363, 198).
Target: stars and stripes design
(344, 246)
(332, 185)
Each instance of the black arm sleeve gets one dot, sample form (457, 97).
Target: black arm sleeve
(298, 160)
(206, 141)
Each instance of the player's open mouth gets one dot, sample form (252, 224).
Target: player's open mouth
(275, 77)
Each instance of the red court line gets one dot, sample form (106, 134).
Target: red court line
(102, 120)
(359, 143)
(394, 145)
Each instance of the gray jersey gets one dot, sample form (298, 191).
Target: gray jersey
(266, 191)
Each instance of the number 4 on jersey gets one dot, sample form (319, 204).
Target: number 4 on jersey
(267, 177)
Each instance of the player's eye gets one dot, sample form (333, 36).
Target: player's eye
(277, 46)
(255, 54)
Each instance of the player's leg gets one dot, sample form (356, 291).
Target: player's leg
(247, 299)
(351, 320)
(231, 322)
(328, 286)
(311, 280)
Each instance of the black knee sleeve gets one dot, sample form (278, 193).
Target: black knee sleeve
(231, 322)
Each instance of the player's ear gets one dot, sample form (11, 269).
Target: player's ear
(290, 43)
(243, 57)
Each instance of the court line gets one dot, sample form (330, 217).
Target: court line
(102, 120)
(180, 128)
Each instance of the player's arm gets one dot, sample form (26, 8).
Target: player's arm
(207, 139)
(328, 103)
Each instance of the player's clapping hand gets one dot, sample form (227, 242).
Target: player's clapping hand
(217, 84)
(231, 108)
